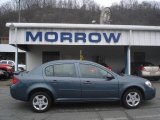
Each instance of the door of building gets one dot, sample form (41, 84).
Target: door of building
(139, 56)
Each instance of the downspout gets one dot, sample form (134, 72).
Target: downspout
(16, 53)
(129, 54)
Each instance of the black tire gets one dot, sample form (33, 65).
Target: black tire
(131, 102)
(7, 75)
(40, 95)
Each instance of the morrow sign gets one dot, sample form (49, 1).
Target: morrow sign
(54, 37)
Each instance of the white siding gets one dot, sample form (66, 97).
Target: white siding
(141, 35)
(21, 33)
(145, 38)
(33, 58)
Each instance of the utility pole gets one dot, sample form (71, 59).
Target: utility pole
(19, 20)
(19, 11)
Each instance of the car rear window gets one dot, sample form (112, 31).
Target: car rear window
(142, 64)
(3, 62)
(146, 64)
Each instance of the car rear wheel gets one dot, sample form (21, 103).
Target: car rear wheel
(40, 102)
(7, 75)
(132, 98)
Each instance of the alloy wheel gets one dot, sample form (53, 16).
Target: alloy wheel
(40, 102)
(133, 99)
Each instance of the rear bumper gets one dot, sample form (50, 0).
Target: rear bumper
(18, 92)
(149, 74)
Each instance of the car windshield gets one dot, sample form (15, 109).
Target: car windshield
(147, 64)
(143, 64)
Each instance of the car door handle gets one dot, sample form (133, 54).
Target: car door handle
(54, 81)
(87, 82)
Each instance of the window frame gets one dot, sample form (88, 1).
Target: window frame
(99, 68)
(45, 71)
(76, 74)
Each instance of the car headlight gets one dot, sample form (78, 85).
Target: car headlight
(148, 83)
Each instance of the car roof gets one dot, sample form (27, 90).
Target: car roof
(70, 61)
(143, 63)
(6, 60)
(59, 61)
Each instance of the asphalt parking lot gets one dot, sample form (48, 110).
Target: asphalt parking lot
(11, 109)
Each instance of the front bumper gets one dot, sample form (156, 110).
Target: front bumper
(150, 93)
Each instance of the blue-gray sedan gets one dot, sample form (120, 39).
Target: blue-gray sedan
(78, 81)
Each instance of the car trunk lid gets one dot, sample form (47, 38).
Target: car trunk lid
(151, 68)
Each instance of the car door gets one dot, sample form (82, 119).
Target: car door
(97, 83)
(50, 79)
(65, 81)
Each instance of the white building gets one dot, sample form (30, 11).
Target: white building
(116, 45)
(7, 52)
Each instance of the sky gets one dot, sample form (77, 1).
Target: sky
(108, 3)
(105, 3)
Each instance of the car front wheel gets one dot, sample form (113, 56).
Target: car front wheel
(40, 102)
(132, 98)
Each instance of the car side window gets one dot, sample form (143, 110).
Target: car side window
(105, 74)
(10, 63)
(49, 71)
(90, 71)
(64, 70)
(4, 62)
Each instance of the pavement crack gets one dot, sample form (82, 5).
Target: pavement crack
(128, 116)
(99, 116)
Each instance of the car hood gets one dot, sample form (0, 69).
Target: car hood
(132, 77)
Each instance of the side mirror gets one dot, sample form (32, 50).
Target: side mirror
(109, 77)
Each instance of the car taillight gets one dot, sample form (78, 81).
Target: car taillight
(141, 68)
(110, 68)
(8, 67)
(15, 80)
